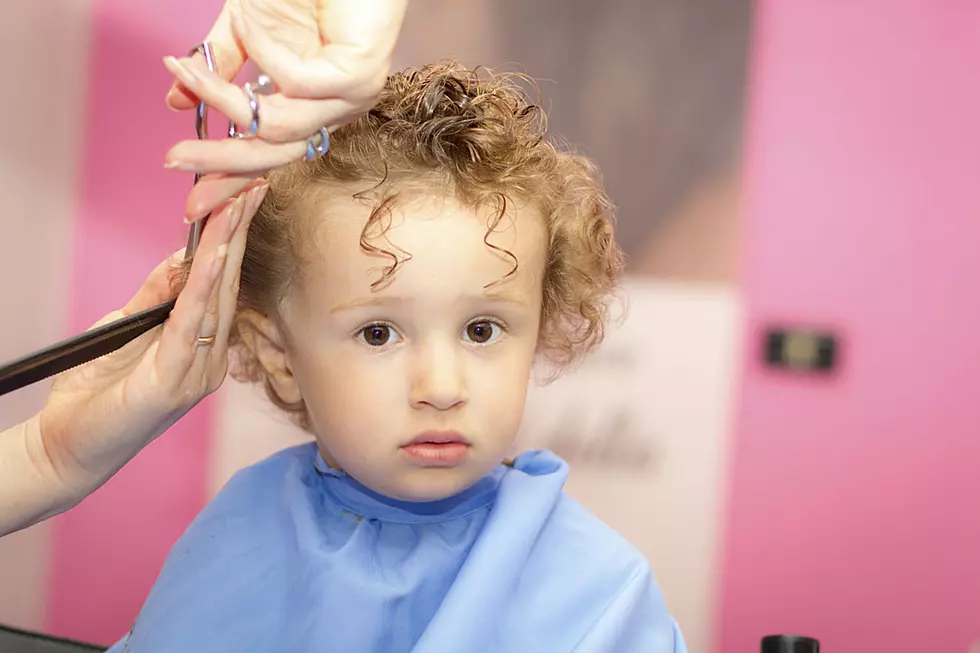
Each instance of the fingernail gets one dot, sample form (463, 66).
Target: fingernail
(188, 220)
(180, 165)
(256, 192)
(171, 64)
(188, 77)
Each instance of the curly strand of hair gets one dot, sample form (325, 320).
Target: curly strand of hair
(429, 100)
(494, 221)
(362, 194)
(376, 219)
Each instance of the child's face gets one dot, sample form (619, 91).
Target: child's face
(434, 358)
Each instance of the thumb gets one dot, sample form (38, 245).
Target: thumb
(229, 57)
(156, 290)
(158, 287)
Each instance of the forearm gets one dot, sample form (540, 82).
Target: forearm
(30, 491)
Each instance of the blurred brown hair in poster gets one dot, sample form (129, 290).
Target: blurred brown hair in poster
(653, 90)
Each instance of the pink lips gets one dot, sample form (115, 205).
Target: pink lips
(437, 449)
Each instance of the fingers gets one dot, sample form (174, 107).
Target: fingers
(211, 191)
(360, 34)
(237, 156)
(229, 57)
(212, 89)
(209, 323)
(231, 279)
(282, 119)
(211, 358)
(178, 340)
(350, 69)
(293, 75)
(286, 119)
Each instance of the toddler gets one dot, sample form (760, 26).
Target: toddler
(394, 296)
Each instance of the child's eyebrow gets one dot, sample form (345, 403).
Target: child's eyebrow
(386, 300)
(361, 302)
(503, 298)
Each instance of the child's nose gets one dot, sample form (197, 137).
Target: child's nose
(438, 379)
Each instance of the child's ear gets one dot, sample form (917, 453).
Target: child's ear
(264, 340)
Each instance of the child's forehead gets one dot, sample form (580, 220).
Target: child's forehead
(436, 240)
(348, 226)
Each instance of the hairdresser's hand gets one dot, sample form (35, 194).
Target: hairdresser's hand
(329, 60)
(101, 414)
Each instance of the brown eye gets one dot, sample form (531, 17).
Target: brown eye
(482, 332)
(377, 335)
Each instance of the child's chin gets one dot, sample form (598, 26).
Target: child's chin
(433, 485)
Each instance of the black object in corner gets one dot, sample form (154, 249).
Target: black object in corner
(789, 644)
(14, 640)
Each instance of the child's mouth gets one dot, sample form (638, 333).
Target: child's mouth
(437, 449)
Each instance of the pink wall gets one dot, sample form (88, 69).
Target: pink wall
(107, 552)
(855, 504)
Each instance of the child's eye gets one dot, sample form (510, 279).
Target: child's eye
(378, 335)
(483, 332)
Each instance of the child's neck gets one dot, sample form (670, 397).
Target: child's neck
(327, 458)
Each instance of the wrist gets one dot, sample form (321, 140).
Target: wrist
(30, 491)
(61, 486)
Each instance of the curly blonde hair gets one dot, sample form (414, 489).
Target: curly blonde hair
(469, 133)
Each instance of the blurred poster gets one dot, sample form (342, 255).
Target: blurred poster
(653, 90)
(644, 425)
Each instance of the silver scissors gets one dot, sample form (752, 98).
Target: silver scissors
(201, 126)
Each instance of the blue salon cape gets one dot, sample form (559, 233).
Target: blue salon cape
(294, 556)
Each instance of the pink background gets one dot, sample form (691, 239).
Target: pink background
(854, 500)
(848, 507)
(106, 553)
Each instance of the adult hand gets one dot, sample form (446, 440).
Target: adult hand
(328, 59)
(101, 414)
